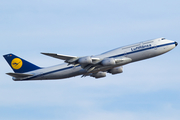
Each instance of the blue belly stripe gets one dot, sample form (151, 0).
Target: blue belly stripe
(50, 72)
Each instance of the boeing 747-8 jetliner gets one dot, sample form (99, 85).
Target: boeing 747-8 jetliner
(94, 66)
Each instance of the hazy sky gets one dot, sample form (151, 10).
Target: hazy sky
(147, 90)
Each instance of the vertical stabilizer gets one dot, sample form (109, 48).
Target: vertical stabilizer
(19, 65)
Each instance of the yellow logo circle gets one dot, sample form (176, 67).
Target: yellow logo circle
(16, 63)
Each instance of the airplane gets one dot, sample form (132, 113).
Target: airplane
(94, 66)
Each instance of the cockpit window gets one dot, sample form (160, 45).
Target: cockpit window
(163, 38)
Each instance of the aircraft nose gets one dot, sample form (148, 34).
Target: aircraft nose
(176, 43)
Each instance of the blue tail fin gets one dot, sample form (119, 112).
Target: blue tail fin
(19, 65)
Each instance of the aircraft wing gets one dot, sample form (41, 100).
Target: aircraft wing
(19, 75)
(59, 56)
(67, 58)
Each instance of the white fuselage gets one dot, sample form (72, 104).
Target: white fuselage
(136, 52)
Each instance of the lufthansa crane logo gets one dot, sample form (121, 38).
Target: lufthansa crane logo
(16, 63)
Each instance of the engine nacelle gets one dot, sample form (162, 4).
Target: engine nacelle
(116, 70)
(98, 75)
(85, 60)
(108, 62)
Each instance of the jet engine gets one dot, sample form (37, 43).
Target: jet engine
(108, 62)
(116, 70)
(98, 75)
(85, 60)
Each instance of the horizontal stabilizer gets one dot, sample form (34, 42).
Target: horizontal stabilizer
(62, 57)
(19, 75)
